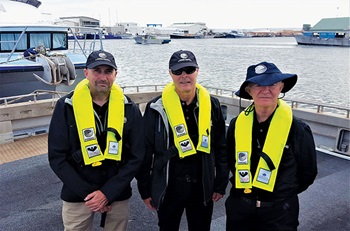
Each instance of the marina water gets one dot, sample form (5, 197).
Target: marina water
(323, 72)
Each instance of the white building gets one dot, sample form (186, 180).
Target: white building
(79, 21)
(122, 28)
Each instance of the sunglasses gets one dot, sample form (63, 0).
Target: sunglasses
(188, 70)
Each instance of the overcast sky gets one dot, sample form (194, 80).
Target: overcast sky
(220, 14)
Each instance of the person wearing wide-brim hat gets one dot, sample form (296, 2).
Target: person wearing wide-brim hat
(271, 155)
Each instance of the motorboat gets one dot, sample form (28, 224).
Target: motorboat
(327, 32)
(180, 34)
(37, 55)
(152, 39)
(323, 39)
(112, 36)
(237, 34)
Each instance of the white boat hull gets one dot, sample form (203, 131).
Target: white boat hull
(142, 39)
(11, 84)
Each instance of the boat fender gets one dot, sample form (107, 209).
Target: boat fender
(71, 70)
(55, 70)
(63, 72)
(50, 70)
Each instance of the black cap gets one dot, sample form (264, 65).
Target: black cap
(97, 58)
(182, 58)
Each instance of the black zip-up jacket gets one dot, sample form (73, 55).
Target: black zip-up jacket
(154, 174)
(298, 166)
(112, 177)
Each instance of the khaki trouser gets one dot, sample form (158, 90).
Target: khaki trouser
(76, 216)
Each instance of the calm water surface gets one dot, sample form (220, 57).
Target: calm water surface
(323, 71)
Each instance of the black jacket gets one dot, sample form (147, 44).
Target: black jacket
(112, 178)
(298, 166)
(153, 177)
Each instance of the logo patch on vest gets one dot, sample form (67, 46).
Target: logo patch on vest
(264, 176)
(180, 130)
(205, 141)
(243, 176)
(89, 134)
(113, 147)
(186, 145)
(92, 150)
(242, 157)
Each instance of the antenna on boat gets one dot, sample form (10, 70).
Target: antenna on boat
(109, 17)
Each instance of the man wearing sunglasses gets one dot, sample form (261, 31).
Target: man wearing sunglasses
(185, 167)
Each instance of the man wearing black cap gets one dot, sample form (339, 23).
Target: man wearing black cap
(270, 153)
(96, 146)
(185, 166)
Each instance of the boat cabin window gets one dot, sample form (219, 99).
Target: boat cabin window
(52, 41)
(8, 41)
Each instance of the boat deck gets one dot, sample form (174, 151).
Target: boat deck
(23, 148)
(31, 192)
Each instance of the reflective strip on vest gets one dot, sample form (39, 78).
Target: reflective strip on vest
(85, 120)
(275, 142)
(173, 109)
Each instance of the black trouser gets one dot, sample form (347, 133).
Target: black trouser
(188, 196)
(244, 214)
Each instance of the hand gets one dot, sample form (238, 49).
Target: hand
(148, 202)
(97, 201)
(105, 209)
(216, 196)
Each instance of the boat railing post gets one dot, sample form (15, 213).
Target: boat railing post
(16, 44)
(53, 100)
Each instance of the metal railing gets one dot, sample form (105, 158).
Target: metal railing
(318, 107)
(32, 97)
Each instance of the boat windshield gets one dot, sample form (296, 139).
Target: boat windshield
(22, 42)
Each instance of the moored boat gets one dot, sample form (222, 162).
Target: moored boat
(327, 32)
(38, 56)
(151, 39)
(237, 34)
(182, 36)
(112, 36)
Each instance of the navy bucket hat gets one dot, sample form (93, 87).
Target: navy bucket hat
(181, 59)
(266, 74)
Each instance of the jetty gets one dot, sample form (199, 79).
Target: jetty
(30, 195)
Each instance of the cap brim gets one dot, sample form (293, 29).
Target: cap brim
(99, 63)
(182, 65)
